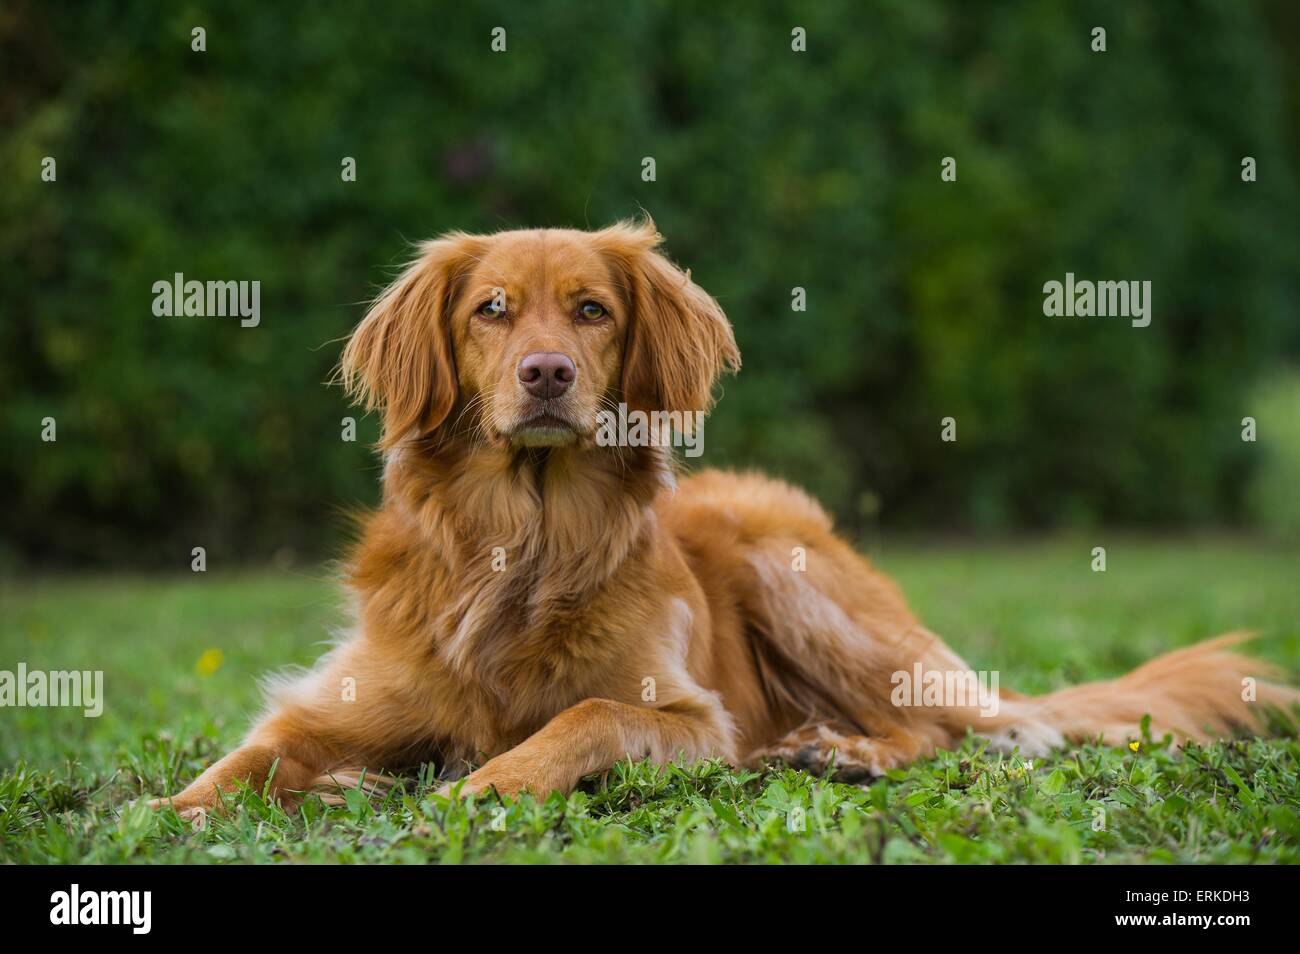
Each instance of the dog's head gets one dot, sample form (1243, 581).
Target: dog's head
(523, 337)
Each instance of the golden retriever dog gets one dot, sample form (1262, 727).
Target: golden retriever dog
(539, 604)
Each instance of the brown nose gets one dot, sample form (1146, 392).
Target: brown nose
(546, 374)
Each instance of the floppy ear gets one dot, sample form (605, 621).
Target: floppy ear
(679, 341)
(399, 359)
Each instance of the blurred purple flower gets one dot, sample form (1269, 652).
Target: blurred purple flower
(468, 161)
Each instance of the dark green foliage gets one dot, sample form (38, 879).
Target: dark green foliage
(775, 170)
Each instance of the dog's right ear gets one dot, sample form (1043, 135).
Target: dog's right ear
(399, 359)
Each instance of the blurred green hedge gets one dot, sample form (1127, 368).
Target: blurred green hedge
(775, 169)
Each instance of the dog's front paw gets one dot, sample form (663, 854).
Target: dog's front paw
(497, 775)
(194, 812)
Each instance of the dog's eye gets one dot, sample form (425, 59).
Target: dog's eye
(490, 309)
(591, 311)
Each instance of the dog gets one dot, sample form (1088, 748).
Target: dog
(540, 605)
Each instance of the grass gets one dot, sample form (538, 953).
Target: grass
(180, 656)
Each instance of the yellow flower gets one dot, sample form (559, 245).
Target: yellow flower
(209, 662)
(1135, 746)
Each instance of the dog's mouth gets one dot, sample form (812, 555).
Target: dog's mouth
(544, 428)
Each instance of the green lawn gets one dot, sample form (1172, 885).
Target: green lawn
(1036, 612)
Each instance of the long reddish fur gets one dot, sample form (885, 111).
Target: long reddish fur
(643, 614)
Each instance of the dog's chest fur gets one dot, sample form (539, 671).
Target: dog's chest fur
(514, 592)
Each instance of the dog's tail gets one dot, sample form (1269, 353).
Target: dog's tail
(1198, 693)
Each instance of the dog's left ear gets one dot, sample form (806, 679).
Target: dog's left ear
(400, 359)
(679, 341)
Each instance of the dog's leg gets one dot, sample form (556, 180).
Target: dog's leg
(248, 765)
(274, 751)
(315, 728)
(846, 632)
(594, 734)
